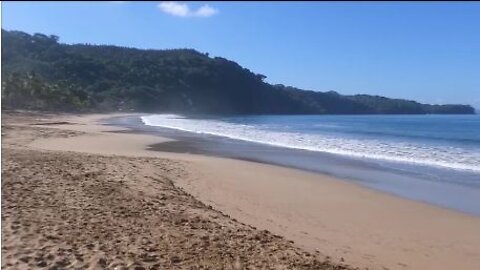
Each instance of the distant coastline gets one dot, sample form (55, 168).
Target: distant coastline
(39, 73)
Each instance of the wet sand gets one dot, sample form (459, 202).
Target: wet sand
(326, 217)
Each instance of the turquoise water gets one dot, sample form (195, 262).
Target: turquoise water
(431, 158)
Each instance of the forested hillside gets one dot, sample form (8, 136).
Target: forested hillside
(40, 73)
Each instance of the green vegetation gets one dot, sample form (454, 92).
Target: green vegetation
(40, 73)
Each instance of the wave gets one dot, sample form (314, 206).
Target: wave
(407, 152)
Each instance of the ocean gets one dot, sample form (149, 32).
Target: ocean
(429, 158)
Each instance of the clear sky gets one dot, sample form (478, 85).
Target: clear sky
(426, 51)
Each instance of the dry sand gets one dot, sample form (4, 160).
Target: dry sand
(322, 215)
(68, 210)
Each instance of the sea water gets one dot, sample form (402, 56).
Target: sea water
(430, 158)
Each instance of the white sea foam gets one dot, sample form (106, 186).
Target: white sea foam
(442, 156)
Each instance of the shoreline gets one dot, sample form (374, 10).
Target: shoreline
(405, 182)
(342, 220)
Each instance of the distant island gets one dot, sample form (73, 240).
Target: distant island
(39, 73)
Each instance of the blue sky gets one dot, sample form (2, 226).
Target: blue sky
(424, 51)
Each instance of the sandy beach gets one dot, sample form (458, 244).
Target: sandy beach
(79, 194)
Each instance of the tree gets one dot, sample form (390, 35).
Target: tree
(38, 72)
